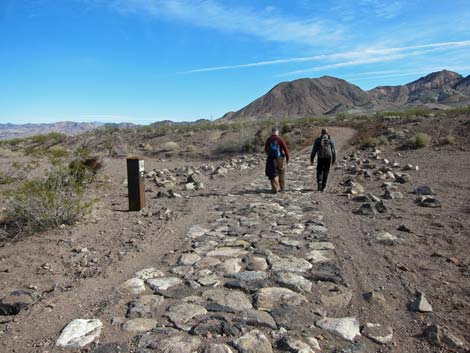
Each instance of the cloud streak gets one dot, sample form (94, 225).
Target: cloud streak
(241, 20)
(356, 57)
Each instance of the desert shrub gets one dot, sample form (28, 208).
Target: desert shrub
(464, 110)
(84, 170)
(43, 203)
(14, 142)
(374, 141)
(449, 140)
(420, 140)
(147, 147)
(17, 171)
(393, 133)
(191, 148)
(50, 137)
(170, 147)
(232, 145)
(6, 178)
(56, 153)
(287, 128)
(249, 145)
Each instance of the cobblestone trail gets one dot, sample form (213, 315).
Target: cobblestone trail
(261, 277)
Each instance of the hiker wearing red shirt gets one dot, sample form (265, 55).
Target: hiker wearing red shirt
(278, 158)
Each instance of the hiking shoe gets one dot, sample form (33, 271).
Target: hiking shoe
(282, 190)
(319, 188)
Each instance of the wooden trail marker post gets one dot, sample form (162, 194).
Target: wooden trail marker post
(136, 183)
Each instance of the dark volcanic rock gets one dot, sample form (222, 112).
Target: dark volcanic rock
(112, 348)
(15, 302)
(293, 317)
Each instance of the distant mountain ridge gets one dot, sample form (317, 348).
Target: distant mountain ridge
(329, 95)
(9, 131)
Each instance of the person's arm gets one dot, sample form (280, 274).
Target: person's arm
(314, 151)
(266, 146)
(333, 150)
(284, 149)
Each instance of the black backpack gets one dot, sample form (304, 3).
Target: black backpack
(325, 151)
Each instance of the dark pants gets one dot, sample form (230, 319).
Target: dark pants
(323, 169)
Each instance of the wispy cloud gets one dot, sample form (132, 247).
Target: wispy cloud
(355, 57)
(403, 73)
(241, 20)
(386, 9)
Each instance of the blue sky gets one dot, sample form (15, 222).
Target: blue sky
(148, 60)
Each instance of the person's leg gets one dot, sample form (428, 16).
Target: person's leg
(326, 171)
(281, 169)
(275, 184)
(319, 173)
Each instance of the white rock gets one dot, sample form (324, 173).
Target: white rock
(148, 273)
(253, 342)
(321, 245)
(346, 328)
(385, 238)
(314, 343)
(209, 281)
(190, 187)
(188, 259)
(292, 264)
(196, 231)
(139, 325)
(78, 333)
(133, 286)
(273, 297)
(378, 333)
(299, 346)
(319, 256)
(293, 281)
(163, 283)
(230, 266)
(227, 252)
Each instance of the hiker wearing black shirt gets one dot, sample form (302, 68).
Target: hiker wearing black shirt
(324, 146)
(278, 157)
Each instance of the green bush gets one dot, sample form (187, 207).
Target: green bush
(191, 148)
(249, 145)
(170, 147)
(50, 137)
(57, 153)
(44, 203)
(449, 140)
(6, 178)
(374, 141)
(420, 140)
(232, 145)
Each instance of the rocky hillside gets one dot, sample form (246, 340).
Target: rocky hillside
(328, 95)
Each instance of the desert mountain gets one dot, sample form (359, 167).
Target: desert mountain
(327, 95)
(8, 131)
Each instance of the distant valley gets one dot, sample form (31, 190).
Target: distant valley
(9, 131)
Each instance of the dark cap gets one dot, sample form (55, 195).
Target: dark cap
(275, 129)
(324, 131)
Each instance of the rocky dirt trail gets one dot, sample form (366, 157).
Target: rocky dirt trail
(253, 272)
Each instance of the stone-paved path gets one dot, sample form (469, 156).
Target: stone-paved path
(261, 277)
